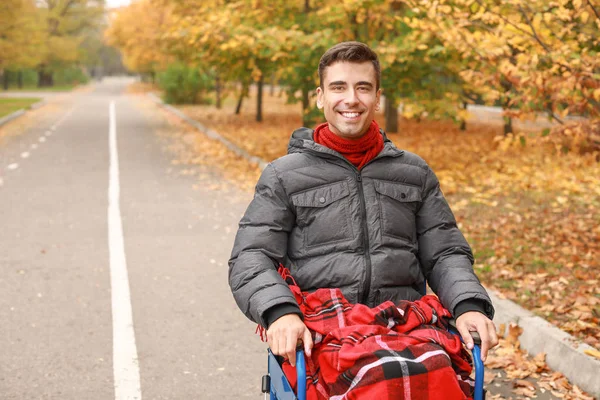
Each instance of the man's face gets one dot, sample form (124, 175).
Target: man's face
(349, 98)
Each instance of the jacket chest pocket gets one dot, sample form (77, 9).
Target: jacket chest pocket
(398, 205)
(322, 214)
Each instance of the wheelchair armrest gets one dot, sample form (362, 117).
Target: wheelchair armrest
(453, 329)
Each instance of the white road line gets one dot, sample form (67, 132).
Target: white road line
(25, 154)
(125, 359)
(61, 120)
(12, 166)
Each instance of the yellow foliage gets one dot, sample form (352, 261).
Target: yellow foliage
(137, 31)
(21, 34)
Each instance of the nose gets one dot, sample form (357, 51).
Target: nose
(351, 98)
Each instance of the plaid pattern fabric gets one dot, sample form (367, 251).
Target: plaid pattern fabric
(393, 351)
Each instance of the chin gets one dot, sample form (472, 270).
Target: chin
(354, 132)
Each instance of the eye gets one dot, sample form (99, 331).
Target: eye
(337, 88)
(364, 88)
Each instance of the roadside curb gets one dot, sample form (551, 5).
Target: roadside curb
(11, 116)
(20, 112)
(211, 133)
(564, 353)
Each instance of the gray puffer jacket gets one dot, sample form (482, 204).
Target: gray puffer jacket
(376, 234)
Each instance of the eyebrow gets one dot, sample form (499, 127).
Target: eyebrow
(341, 83)
(364, 83)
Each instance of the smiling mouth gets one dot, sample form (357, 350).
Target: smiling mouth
(350, 114)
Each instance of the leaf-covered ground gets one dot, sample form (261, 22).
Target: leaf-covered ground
(484, 200)
(531, 216)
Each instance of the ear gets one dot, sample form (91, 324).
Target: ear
(320, 98)
(378, 103)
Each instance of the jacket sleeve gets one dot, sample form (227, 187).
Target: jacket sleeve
(260, 245)
(445, 255)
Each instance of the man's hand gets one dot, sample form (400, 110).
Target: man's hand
(284, 334)
(474, 321)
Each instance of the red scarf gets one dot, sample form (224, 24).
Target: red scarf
(358, 151)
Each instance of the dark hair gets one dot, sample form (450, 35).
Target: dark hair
(349, 51)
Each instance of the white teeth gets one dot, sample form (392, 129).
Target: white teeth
(350, 115)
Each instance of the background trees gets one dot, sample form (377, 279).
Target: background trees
(44, 39)
(437, 56)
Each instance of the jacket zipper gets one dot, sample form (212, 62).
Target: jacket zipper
(366, 245)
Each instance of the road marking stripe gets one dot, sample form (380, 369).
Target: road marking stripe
(125, 359)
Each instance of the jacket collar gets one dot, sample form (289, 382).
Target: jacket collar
(302, 140)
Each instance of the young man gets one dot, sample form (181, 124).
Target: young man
(346, 209)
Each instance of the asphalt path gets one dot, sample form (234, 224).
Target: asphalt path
(114, 264)
(56, 310)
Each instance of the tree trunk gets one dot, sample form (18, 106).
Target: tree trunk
(238, 108)
(507, 86)
(463, 122)
(5, 79)
(20, 79)
(259, 98)
(391, 114)
(218, 90)
(45, 79)
(305, 105)
(508, 128)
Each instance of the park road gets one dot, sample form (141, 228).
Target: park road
(59, 245)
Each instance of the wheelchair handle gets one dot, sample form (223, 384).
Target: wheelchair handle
(301, 374)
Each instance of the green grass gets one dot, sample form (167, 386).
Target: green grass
(538, 265)
(8, 106)
(485, 268)
(508, 284)
(56, 88)
(482, 254)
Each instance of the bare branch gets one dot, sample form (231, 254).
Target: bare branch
(593, 9)
(534, 33)
(560, 121)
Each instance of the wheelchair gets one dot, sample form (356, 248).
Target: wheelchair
(276, 385)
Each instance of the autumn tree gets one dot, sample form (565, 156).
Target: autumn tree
(65, 23)
(21, 37)
(137, 32)
(530, 57)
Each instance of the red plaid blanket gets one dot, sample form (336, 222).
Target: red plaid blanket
(393, 351)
